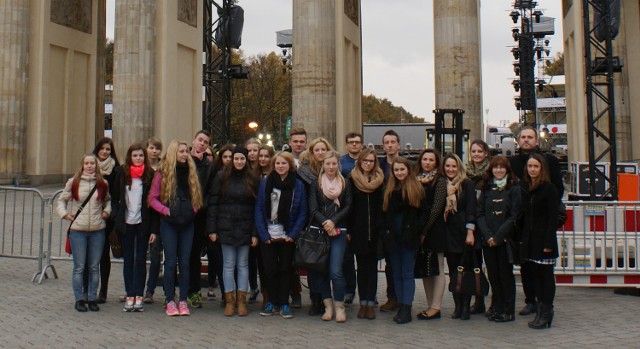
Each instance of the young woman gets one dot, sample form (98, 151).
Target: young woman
(231, 221)
(225, 155)
(280, 215)
(476, 170)
(460, 222)
(365, 223)
(498, 210)
(132, 221)
(435, 190)
(265, 153)
(253, 146)
(107, 162)
(405, 213)
(176, 196)
(154, 153)
(87, 235)
(329, 205)
(539, 240)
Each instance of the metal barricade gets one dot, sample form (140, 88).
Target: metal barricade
(598, 245)
(22, 231)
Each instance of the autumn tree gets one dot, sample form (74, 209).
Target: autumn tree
(108, 60)
(375, 110)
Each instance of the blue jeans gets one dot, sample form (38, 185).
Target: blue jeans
(232, 258)
(177, 241)
(134, 251)
(335, 277)
(87, 250)
(403, 261)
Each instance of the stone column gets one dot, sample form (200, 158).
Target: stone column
(14, 31)
(314, 67)
(457, 60)
(133, 72)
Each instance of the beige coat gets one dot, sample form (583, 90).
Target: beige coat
(90, 219)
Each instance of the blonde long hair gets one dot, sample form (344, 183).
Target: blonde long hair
(462, 173)
(307, 155)
(412, 190)
(328, 155)
(168, 171)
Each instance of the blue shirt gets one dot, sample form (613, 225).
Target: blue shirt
(347, 163)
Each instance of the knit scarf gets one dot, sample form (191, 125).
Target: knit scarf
(501, 183)
(106, 166)
(452, 196)
(427, 177)
(286, 187)
(136, 171)
(367, 184)
(331, 188)
(475, 171)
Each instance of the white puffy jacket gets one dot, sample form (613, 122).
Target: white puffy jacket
(90, 219)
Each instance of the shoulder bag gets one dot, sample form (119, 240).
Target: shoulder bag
(312, 250)
(469, 282)
(67, 245)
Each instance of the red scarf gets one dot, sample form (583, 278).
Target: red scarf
(136, 171)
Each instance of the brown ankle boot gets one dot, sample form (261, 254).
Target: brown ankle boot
(362, 312)
(230, 300)
(391, 305)
(371, 312)
(242, 303)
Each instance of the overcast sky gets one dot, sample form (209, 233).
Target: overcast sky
(397, 48)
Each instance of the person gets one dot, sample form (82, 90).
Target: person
(476, 170)
(132, 221)
(176, 196)
(498, 212)
(528, 142)
(265, 154)
(365, 223)
(231, 221)
(205, 171)
(154, 153)
(224, 158)
(253, 146)
(405, 213)
(353, 145)
(255, 265)
(105, 150)
(391, 144)
(539, 245)
(460, 223)
(86, 234)
(429, 173)
(329, 206)
(297, 143)
(280, 215)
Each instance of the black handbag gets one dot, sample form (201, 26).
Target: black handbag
(426, 264)
(468, 282)
(312, 250)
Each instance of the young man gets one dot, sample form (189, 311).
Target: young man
(528, 141)
(297, 142)
(347, 163)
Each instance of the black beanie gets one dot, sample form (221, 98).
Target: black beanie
(242, 150)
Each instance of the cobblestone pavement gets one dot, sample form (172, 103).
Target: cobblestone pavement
(42, 316)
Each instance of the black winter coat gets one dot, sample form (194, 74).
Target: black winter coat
(498, 213)
(119, 204)
(414, 220)
(519, 162)
(321, 208)
(540, 208)
(231, 210)
(456, 223)
(436, 200)
(365, 220)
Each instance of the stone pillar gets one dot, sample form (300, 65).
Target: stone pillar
(314, 67)
(14, 31)
(457, 60)
(133, 72)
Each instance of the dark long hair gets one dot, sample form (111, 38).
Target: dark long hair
(544, 172)
(103, 141)
(218, 165)
(418, 167)
(147, 176)
(498, 160)
(249, 178)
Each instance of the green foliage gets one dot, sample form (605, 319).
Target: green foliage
(375, 110)
(108, 60)
(555, 66)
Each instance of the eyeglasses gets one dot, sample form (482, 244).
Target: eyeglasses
(354, 142)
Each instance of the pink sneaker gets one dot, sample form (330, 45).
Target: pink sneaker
(172, 309)
(184, 308)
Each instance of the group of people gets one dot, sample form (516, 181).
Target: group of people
(247, 206)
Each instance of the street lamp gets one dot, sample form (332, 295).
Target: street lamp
(253, 126)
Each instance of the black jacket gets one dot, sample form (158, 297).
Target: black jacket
(206, 175)
(231, 210)
(321, 208)
(540, 209)
(519, 162)
(414, 220)
(498, 213)
(119, 203)
(436, 200)
(456, 223)
(365, 220)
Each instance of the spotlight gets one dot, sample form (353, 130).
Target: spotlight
(547, 42)
(541, 84)
(516, 53)
(537, 14)
(515, 33)
(516, 68)
(516, 85)
(514, 16)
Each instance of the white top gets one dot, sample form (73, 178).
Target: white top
(134, 202)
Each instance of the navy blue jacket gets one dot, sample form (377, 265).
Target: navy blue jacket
(297, 215)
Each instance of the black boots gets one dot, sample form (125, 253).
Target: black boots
(466, 307)
(317, 308)
(544, 319)
(478, 307)
(93, 306)
(81, 306)
(404, 314)
(529, 308)
(458, 307)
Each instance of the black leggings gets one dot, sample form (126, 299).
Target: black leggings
(544, 281)
(367, 277)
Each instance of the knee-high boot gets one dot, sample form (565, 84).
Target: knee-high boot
(466, 307)
(458, 306)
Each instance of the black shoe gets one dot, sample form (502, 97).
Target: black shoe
(545, 319)
(528, 309)
(404, 314)
(101, 299)
(81, 306)
(93, 306)
(504, 318)
(478, 307)
(466, 308)
(458, 307)
(424, 316)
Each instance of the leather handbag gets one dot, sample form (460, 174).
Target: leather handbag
(469, 282)
(67, 245)
(312, 250)
(426, 264)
